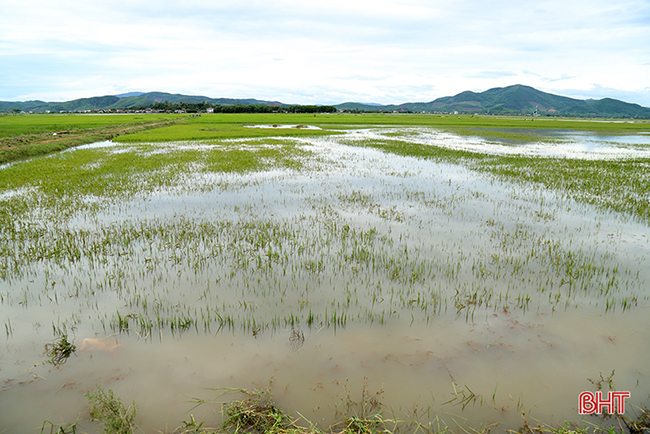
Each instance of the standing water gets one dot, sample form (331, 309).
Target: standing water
(356, 281)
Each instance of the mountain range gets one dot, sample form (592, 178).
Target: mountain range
(515, 100)
(123, 102)
(511, 100)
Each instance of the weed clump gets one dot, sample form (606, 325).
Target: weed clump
(640, 425)
(110, 410)
(358, 425)
(59, 351)
(610, 424)
(256, 414)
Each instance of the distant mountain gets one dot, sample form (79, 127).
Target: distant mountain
(511, 100)
(515, 100)
(608, 107)
(153, 97)
(124, 101)
(9, 106)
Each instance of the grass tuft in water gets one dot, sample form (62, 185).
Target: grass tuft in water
(255, 414)
(61, 429)
(110, 410)
(59, 351)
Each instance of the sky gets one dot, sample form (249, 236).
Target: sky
(323, 52)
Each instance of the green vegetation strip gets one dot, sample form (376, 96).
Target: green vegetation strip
(257, 413)
(24, 137)
(616, 185)
(204, 128)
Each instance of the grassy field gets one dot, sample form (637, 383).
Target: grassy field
(511, 128)
(302, 251)
(20, 125)
(24, 136)
(28, 135)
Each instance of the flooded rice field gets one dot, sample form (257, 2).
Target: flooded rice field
(346, 279)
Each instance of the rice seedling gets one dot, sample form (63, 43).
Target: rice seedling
(8, 329)
(253, 234)
(463, 396)
(192, 427)
(59, 429)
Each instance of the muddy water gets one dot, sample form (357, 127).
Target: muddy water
(511, 362)
(450, 309)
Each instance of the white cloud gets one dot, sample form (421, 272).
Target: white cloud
(390, 51)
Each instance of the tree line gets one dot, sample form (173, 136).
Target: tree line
(201, 107)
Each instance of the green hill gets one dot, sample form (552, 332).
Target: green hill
(10, 106)
(607, 107)
(84, 104)
(136, 99)
(515, 100)
(147, 99)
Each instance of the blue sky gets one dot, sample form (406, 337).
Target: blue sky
(324, 52)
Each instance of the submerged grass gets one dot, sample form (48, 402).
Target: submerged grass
(65, 182)
(59, 351)
(36, 130)
(257, 413)
(260, 258)
(111, 411)
(349, 251)
(617, 185)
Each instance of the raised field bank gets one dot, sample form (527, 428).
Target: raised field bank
(359, 273)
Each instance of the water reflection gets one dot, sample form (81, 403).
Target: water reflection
(559, 144)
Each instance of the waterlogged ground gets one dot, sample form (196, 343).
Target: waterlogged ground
(345, 277)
